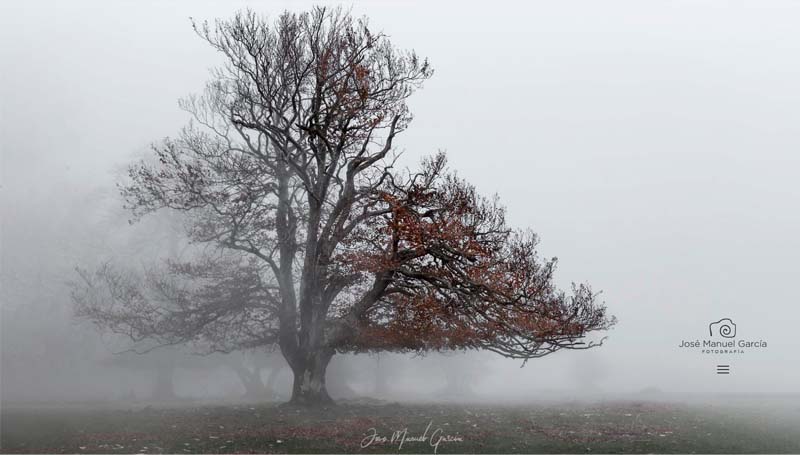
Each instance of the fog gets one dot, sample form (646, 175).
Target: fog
(653, 146)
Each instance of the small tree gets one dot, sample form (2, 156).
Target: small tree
(325, 247)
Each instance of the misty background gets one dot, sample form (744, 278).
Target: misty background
(653, 146)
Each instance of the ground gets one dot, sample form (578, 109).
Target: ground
(630, 426)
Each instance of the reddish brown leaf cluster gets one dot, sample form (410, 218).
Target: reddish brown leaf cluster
(459, 277)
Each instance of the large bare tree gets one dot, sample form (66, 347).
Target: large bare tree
(320, 245)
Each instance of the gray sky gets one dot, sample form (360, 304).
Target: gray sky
(652, 145)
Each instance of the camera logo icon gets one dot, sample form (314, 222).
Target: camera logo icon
(724, 328)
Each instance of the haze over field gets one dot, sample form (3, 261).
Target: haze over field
(652, 146)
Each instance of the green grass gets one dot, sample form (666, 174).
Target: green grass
(614, 427)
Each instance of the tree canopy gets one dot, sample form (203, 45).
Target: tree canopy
(315, 240)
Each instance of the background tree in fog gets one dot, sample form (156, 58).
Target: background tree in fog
(159, 239)
(316, 242)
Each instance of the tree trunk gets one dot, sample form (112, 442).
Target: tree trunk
(339, 372)
(272, 378)
(251, 381)
(381, 378)
(458, 382)
(308, 388)
(163, 389)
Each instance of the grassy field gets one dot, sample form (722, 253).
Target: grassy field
(605, 427)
